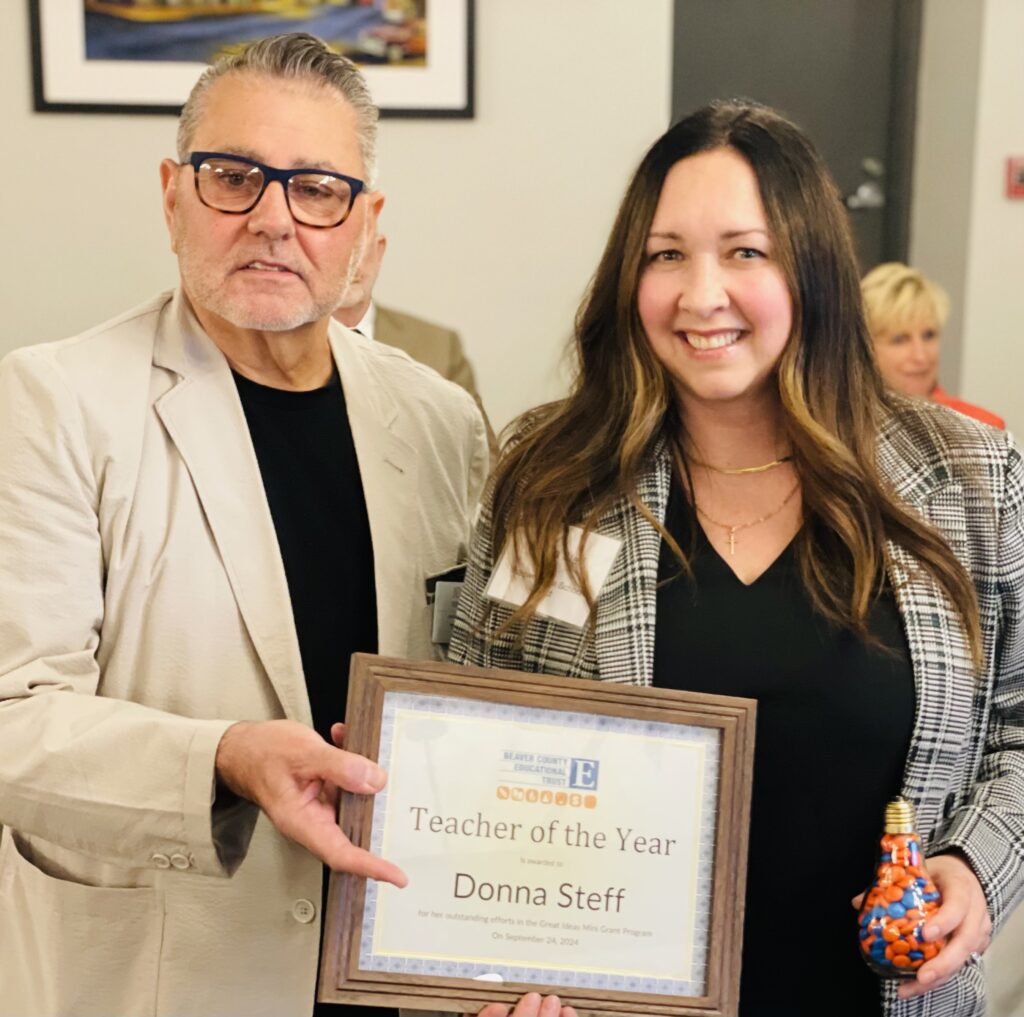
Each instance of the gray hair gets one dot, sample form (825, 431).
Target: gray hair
(299, 56)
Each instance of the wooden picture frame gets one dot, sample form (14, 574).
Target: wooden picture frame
(139, 56)
(392, 702)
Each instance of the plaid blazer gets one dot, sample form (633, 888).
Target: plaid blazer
(965, 766)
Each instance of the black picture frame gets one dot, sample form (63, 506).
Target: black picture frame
(65, 81)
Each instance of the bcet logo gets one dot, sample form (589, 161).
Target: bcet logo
(583, 773)
(562, 780)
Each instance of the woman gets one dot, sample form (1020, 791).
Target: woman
(790, 531)
(906, 313)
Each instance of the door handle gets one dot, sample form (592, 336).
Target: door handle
(868, 195)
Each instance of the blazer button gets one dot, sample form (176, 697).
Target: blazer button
(180, 861)
(303, 911)
(161, 861)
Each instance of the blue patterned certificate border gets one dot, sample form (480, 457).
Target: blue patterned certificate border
(439, 965)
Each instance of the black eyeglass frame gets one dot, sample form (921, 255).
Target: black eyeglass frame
(270, 174)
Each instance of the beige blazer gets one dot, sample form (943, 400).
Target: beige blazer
(434, 345)
(143, 609)
(437, 347)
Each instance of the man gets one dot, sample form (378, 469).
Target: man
(205, 506)
(434, 345)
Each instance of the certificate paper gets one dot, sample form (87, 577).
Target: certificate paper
(555, 847)
(562, 836)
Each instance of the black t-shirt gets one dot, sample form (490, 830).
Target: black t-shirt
(834, 721)
(307, 459)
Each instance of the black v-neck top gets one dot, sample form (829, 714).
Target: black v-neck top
(834, 721)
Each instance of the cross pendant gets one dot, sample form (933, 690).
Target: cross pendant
(732, 540)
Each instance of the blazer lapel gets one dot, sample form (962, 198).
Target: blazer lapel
(203, 417)
(387, 467)
(944, 681)
(624, 624)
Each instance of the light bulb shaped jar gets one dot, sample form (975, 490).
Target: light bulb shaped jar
(899, 901)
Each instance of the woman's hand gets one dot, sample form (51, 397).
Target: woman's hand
(963, 917)
(531, 1005)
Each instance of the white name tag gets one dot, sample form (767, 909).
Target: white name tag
(564, 601)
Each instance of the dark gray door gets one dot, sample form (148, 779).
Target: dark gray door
(844, 70)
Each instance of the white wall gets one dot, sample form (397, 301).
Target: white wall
(964, 231)
(495, 224)
(993, 354)
(947, 110)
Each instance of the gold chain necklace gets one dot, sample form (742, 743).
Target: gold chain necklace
(734, 529)
(744, 469)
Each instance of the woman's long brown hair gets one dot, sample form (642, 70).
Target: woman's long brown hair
(569, 461)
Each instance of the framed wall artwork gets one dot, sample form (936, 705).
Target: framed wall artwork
(143, 56)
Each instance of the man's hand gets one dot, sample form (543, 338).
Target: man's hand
(293, 775)
(531, 1005)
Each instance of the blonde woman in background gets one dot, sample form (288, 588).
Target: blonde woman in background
(906, 313)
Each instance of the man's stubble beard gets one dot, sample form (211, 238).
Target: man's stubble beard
(205, 293)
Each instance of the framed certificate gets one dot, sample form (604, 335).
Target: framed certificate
(559, 835)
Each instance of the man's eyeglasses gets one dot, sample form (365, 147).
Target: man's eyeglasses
(233, 184)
